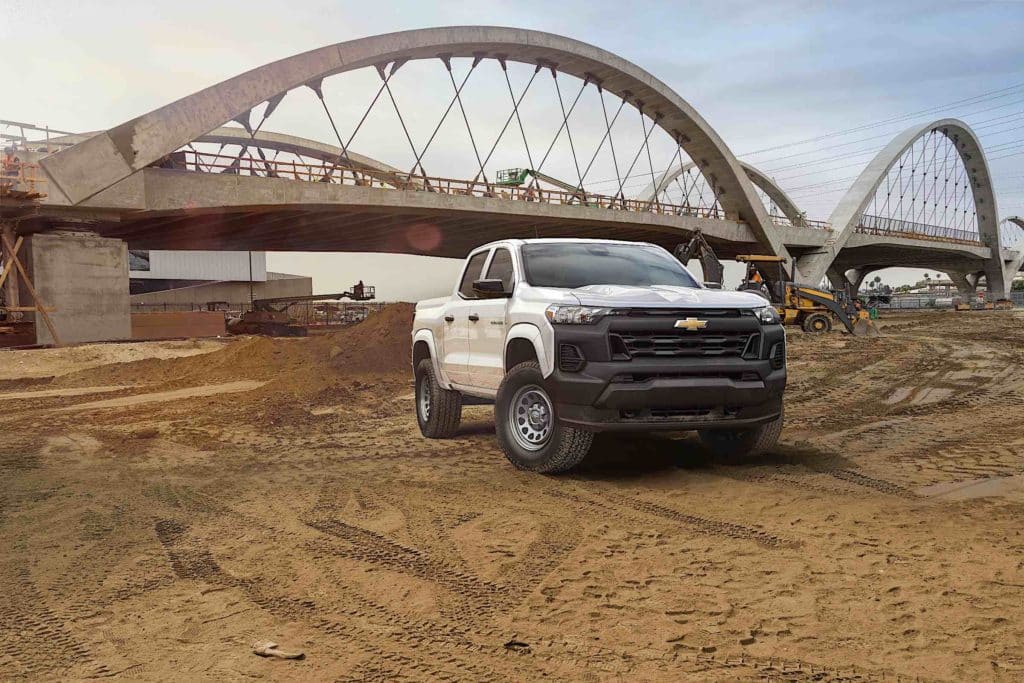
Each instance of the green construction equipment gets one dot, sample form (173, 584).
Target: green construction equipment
(516, 177)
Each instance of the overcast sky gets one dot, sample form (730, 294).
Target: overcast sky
(763, 74)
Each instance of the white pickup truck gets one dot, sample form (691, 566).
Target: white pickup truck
(569, 337)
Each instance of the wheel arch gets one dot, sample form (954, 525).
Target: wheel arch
(524, 343)
(423, 346)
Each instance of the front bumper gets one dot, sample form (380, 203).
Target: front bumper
(673, 393)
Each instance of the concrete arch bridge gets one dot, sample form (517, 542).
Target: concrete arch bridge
(425, 126)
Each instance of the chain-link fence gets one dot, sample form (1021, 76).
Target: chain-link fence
(917, 302)
(309, 313)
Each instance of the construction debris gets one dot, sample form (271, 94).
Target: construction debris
(269, 649)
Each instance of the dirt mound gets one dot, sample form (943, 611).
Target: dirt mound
(378, 345)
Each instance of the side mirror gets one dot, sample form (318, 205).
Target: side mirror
(490, 289)
(713, 285)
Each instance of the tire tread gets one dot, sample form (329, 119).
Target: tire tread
(573, 443)
(445, 408)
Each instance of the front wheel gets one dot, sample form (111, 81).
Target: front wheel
(737, 444)
(817, 323)
(529, 432)
(438, 410)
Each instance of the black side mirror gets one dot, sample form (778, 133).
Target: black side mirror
(490, 289)
(713, 285)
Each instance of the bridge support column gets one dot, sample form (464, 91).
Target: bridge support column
(841, 279)
(1010, 271)
(996, 276)
(966, 283)
(83, 278)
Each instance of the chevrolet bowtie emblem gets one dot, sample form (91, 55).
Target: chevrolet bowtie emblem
(692, 324)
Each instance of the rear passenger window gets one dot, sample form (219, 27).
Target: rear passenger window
(501, 268)
(472, 274)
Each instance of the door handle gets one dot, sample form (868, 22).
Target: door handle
(449, 318)
(473, 317)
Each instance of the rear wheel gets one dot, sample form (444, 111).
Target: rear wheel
(737, 444)
(528, 428)
(438, 410)
(817, 323)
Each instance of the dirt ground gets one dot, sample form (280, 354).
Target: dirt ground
(160, 512)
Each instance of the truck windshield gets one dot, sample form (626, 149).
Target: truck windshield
(577, 264)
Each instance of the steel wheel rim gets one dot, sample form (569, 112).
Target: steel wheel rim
(531, 417)
(423, 400)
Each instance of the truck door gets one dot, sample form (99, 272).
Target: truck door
(487, 334)
(455, 346)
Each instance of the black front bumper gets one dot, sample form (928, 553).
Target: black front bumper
(617, 392)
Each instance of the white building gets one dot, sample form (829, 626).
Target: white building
(198, 266)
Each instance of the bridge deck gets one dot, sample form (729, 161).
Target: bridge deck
(361, 210)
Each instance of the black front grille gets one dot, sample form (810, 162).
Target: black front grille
(673, 344)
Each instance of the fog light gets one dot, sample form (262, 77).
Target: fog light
(777, 358)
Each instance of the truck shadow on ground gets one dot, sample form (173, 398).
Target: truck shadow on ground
(626, 456)
(631, 456)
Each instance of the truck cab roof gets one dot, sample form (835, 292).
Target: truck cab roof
(560, 240)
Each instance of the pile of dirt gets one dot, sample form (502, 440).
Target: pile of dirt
(380, 345)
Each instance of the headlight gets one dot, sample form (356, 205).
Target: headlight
(576, 315)
(767, 315)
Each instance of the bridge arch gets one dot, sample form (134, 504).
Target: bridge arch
(107, 158)
(1014, 265)
(851, 208)
(762, 182)
(268, 140)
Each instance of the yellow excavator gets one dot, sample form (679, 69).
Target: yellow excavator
(814, 309)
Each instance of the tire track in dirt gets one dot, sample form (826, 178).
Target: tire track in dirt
(859, 479)
(704, 525)
(193, 561)
(37, 641)
(746, 667)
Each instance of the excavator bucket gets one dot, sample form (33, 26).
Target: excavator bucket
(865, 326)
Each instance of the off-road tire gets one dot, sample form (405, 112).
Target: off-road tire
(737, 445)
(817, 323)
(565, 447)
(445, 407)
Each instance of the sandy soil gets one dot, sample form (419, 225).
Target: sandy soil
(48, 363)
(156, 540)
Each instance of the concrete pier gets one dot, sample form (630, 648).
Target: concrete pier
(85, 278)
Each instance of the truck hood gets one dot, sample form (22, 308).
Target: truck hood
(620, 296)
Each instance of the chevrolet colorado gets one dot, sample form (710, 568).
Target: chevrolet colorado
(570, 337)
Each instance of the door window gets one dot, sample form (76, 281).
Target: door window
(472, 274)
(501, 268)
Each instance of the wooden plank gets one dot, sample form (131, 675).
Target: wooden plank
(9, 262)
(40, 306)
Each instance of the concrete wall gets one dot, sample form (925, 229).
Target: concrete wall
(183, 298)
(85, 278)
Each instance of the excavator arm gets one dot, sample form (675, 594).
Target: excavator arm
(698, 248)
